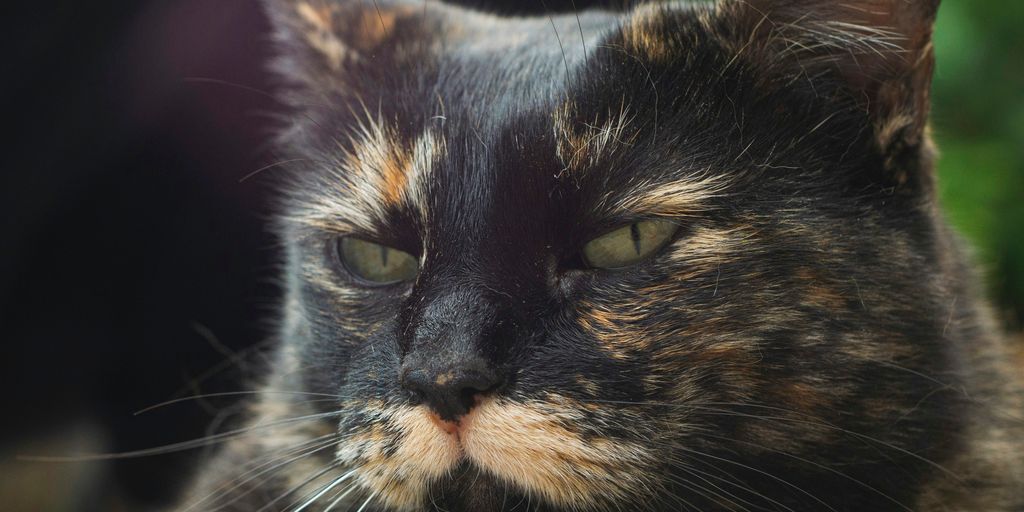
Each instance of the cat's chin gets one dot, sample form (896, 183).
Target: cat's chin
(470, 488)
(502, 450)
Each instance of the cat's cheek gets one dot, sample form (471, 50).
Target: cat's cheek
(531, 447)
(399, 456)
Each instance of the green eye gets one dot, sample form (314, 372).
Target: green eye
(629, 244)
(376, 263)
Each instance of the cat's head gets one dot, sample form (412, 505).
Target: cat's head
(681, 255)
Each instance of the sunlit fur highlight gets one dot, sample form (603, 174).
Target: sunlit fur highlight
(368, 177)
(583, 144)
(681, 198)
(343, 36)
(638, 36)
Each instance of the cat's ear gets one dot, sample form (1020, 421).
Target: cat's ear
(881, 49)
(335, 46)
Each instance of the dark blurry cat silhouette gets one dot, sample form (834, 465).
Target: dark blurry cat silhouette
(681, 257)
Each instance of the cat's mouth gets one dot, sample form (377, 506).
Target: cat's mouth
(530, 447)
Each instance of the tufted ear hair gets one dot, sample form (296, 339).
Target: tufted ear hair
(335, 47)
(880, 49)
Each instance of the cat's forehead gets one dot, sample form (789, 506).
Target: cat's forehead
(522, 118)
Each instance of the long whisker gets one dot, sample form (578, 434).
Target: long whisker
(340, 497)
(706, 493)
(319, 473)
(650, 79)
(176, 447)
(583, 39)
(820, 466)
(278, 163)
(735, 482)
(233, 393)
(732, 498)
(367, 502)
(274, 464)
(811, 420)
(945, 385)
(834, 427)
(226, 363)
(761, 472)
(327, 488)
(565, 61)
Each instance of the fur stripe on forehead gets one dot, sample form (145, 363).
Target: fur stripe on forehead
(682, 197)
(376, 173)
(583, 143)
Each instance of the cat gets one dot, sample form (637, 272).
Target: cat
(683, 256)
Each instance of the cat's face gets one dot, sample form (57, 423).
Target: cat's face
(686, 250)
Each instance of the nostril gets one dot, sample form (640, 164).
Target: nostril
(477, 385)
(479, 382)
(416, 384)
(416, 395)
(450, 393)
(469, 397)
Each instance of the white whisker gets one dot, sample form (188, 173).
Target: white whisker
(367, 502)
(337, 500)
(325, 490)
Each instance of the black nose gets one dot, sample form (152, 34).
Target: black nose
(449, 389)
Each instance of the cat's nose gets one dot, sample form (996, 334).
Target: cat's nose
(451, 389)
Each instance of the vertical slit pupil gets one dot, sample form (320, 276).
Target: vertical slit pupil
(383, 256)
(634, 234)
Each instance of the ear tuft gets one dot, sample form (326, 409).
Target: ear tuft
(324, 45)
(317, 26)
(882, 50)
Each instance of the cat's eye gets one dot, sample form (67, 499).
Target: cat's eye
(628, 245)
(376, 263)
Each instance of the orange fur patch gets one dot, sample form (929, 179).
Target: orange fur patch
(639, 35)
(320, 33)
(614, 326)
(528, 445)
(583, 144)
(394, 172)
(818, 292)
(423, 454)
(342, 35)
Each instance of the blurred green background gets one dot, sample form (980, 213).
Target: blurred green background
(978, 121)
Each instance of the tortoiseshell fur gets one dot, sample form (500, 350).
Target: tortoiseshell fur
(812, 338)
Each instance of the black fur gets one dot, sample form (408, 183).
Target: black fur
(811, 339)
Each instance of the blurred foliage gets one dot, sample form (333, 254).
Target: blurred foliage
(978, 121)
